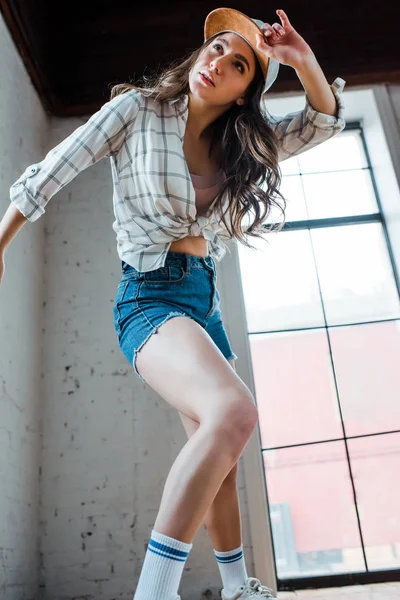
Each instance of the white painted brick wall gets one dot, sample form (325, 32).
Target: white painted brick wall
(23, 130)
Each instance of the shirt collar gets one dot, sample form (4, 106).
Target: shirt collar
(184, 99)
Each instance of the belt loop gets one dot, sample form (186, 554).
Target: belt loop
(188, 263)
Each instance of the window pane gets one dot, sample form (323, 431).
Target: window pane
(314, 523)
(279, 282)
(290, 166)
(375, 462)
(355, 273)
(339, 194)
(292, 190)
(294, 388)
(366, 359)
(344, 151)
(326, 195)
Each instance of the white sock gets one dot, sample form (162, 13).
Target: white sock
(162, 568)
(232, 568)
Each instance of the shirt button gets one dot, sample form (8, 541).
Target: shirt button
(32, 170)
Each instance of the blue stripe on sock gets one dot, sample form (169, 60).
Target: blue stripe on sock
(166, 555)
(170, 552)
(229, 559)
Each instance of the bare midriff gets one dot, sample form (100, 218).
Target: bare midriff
(191, 244)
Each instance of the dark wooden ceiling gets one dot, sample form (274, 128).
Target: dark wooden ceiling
(74, 51)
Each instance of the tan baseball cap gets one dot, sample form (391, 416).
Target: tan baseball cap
(230, 20)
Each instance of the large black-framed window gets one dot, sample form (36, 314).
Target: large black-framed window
(323, 319)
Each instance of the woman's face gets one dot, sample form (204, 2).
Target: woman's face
(231, 65)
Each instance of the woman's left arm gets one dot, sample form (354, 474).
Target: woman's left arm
(317, 87)
(285, 45)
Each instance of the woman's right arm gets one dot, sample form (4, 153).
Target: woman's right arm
(102, 135)
(10, 224)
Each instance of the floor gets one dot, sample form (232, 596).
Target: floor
(376, 591)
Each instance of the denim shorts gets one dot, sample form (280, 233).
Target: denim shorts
(184, 286)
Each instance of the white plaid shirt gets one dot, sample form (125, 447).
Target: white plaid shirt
(153, 195)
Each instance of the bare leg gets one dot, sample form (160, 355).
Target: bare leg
(197, 380)
(222, 519)
(194, 481)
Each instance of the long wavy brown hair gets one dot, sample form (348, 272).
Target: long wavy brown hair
(248, 148)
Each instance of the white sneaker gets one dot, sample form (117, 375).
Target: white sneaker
(251, 590)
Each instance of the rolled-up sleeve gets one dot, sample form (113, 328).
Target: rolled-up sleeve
(101, 136)
(299, 131)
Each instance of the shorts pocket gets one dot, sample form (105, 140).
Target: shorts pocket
(164, 275)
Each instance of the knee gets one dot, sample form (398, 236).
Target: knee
(244, 416)
(238, 419)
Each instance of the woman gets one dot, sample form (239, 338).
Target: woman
(189, 151)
